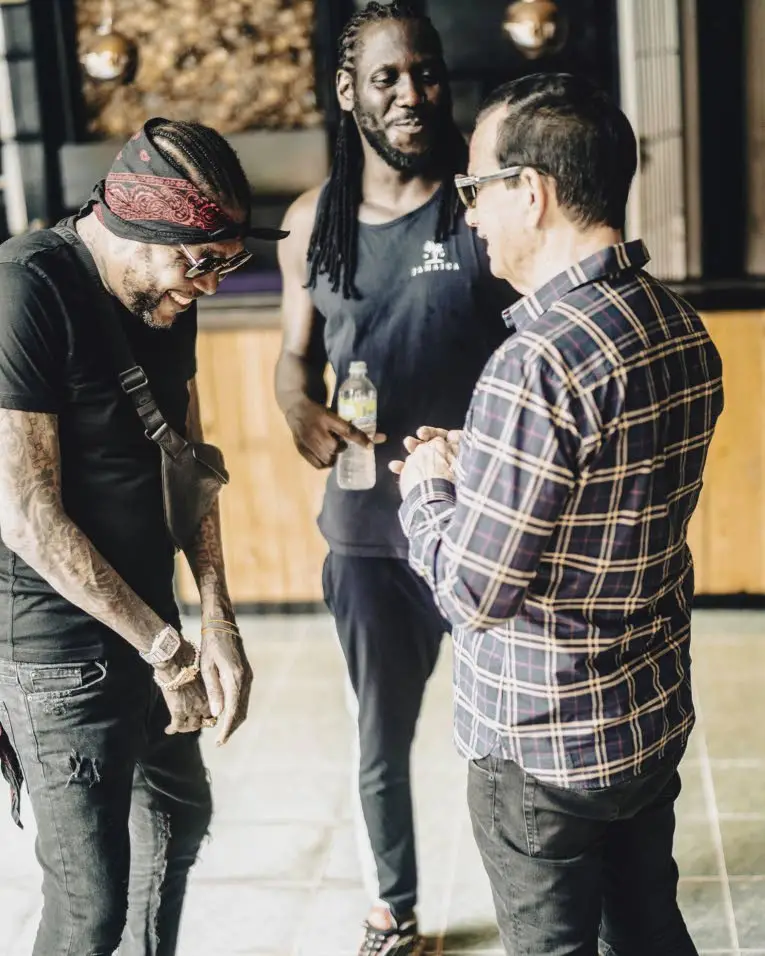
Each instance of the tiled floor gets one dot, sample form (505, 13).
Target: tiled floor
(280, 878)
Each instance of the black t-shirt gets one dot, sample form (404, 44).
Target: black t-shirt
(428, 318)
(55, 358)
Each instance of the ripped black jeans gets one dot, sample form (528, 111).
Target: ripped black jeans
(121, 808)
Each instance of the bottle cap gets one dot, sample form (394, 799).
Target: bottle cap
(358, 368)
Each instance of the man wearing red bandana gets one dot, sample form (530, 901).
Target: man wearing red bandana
(101, 697)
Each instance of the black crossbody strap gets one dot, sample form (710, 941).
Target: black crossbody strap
(131, 376)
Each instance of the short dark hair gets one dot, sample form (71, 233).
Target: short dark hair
(567, 128)
(333, 245)
(208, 161)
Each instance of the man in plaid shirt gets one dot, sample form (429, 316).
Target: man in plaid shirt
(552, 532)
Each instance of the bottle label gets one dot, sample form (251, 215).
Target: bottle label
(360, 412)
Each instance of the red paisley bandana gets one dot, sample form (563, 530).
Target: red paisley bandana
(147, 199)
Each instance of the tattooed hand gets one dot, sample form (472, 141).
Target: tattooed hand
(226, 672)
(189, 706)
(228, 678)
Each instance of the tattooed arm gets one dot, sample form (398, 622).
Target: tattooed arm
(205, 554)
(35, 526)
(225, 669)
(33, 523)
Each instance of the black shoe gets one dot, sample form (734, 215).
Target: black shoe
(402, 939)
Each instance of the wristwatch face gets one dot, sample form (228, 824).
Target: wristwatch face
(166, 643)
(169, 642)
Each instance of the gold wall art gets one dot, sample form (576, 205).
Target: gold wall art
(231, 64)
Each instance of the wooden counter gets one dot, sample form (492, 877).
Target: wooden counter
(274, 551)
(727, 533)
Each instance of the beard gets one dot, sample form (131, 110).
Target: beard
(143, 301)
(413, 163)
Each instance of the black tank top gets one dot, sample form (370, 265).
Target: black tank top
(429, 318)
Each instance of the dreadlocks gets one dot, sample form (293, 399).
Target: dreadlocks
(207, 160)
(333, 245)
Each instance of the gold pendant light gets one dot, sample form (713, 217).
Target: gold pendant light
(112, 56)
(536, 27)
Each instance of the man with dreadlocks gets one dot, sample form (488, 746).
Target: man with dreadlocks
(100, 695)
(380, 266)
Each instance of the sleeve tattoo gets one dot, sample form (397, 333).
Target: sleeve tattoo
(205, 554)
(35, 526)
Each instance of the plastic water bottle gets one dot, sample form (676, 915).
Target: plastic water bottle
(357, 403)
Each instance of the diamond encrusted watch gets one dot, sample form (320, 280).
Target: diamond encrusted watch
(184, 676)
(164, 646)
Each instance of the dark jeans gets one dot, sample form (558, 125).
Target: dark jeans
(121, 808)
(567, 866)
(390, 632)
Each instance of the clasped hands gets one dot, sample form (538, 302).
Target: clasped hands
(220, 693)
(432, 454)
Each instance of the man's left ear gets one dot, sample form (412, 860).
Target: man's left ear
(346, 94)
(537, 187)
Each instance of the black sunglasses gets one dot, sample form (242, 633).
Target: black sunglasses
(217, 264)
(468, 186)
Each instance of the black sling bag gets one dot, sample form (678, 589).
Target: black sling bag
(193, 473)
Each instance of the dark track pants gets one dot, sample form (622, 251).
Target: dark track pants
(390, 632)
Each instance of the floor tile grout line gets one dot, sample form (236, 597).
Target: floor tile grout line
(728, 763)
(449, 893)
(736, 763)
(710, 799)
(737, 878)
(453, 863)
(276, 682)
(348, 883)
(314, 885)
(33, 914)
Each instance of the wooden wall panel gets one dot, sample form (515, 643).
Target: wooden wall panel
(274, 551)
(729, 528)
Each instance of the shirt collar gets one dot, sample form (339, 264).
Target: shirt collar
(601, 265)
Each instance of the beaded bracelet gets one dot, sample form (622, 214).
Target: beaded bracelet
(184, 676)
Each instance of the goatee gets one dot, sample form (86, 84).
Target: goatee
(412, 163)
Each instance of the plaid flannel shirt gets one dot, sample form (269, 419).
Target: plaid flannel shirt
(560, 555)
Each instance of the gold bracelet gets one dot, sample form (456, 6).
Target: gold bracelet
(220, 625)
(224, 630)
(184, 676)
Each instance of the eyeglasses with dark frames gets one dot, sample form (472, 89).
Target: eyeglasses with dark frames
(468, 186)
(208, 264)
